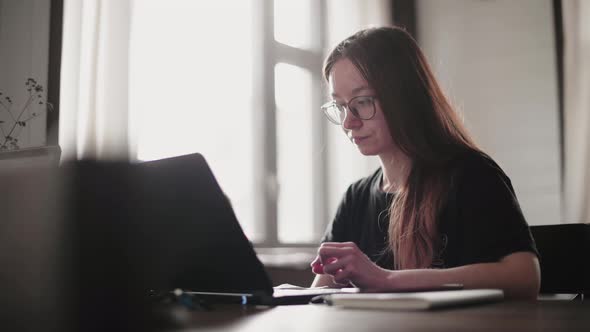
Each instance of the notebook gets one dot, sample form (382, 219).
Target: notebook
(415, 301)
(203, 248)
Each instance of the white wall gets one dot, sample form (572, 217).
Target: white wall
(24, 53)
(496, 58)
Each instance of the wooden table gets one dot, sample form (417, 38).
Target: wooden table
(504, 316)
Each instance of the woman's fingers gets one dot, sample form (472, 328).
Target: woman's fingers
(316, 261)
(326, 252)
(346, 264)
(329, 254)
(336, 265)
(318, 268)
(342, 277)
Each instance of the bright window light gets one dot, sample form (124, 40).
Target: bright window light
(190, 89)
(294, 151)
(292, 22)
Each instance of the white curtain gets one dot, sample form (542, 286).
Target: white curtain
(577, 110)
(94, 79)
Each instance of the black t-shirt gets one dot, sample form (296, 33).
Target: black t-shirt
(480, 222)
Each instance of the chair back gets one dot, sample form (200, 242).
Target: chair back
(565, 258)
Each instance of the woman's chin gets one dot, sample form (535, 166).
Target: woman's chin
(367, 151)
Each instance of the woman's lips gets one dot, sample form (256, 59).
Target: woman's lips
(359, 139)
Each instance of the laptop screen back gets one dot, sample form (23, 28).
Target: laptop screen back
(195, 237)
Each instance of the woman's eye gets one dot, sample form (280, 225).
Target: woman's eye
(363, 101)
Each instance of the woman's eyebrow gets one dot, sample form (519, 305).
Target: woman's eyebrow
(361, 88)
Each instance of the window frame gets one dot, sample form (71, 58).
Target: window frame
(54, 70)
(267, 53)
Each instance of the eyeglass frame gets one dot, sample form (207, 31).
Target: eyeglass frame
(333, 103)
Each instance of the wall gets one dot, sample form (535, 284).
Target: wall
(496, 58)
(24, 53)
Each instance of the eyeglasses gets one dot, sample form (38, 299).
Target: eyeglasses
(362, 107)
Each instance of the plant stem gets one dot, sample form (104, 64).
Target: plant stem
(31, 117)
(3, 135)
(8, 110)
(31, 97)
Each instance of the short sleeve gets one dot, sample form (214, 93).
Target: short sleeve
(490, 220)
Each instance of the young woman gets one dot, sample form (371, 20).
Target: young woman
(438, 210)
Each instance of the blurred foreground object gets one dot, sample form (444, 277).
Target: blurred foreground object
(67, 255)
(31, 251)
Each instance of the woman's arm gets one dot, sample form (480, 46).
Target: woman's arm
(518, 274)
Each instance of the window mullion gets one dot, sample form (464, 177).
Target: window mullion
(264, 120)
(308, 59)
(320, 169)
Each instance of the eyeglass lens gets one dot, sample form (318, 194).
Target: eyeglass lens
(361, 107)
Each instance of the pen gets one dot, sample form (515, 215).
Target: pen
(321, 299)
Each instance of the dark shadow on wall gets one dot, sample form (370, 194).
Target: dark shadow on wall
(54, 70)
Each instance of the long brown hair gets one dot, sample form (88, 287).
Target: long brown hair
(424, 126)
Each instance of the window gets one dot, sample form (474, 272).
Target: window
(293, 24)
(245, 93)
(294, 153)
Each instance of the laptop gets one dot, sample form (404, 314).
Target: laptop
(203, 249)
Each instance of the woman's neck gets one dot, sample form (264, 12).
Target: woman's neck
(396, 167)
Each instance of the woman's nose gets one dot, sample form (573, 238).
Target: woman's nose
(350, 121)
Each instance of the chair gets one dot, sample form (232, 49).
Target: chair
(564, 257)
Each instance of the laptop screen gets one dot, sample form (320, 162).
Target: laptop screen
(198, 240)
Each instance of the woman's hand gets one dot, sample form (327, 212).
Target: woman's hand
(347, 264)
